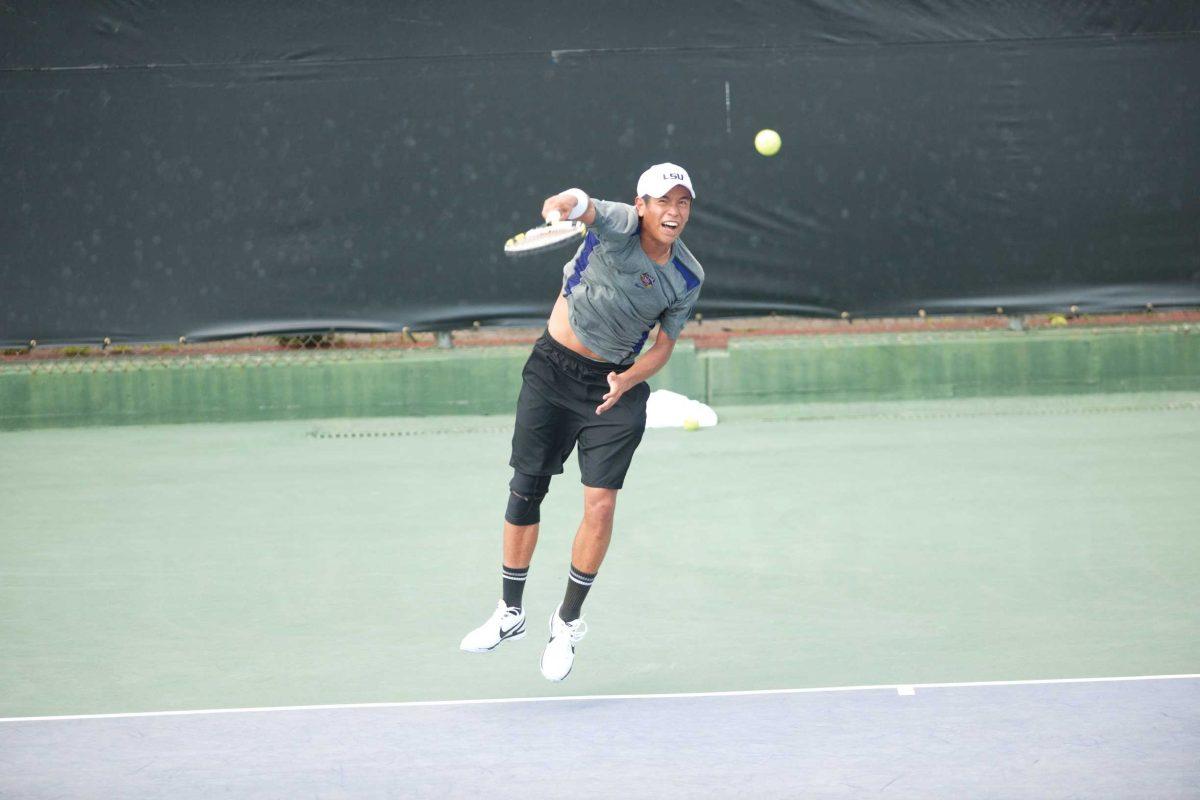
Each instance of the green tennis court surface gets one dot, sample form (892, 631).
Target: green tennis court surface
(298, 563)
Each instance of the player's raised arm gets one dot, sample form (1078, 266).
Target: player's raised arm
(571, 204)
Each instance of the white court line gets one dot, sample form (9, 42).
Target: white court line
(896, 687)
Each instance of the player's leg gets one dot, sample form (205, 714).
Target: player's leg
(606, 447)
(522, 520)
(591, 543)
(595, 531)
(519, 543)
(543, 437)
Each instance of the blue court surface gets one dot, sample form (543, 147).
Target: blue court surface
(1120, 738)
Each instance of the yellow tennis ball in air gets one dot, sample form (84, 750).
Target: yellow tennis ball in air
(691, 424)
(767, 142)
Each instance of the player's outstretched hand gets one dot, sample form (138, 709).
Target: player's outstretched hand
(616, 388)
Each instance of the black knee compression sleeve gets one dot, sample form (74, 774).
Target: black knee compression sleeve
(525, 498)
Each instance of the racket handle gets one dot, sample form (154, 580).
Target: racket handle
(554, 216)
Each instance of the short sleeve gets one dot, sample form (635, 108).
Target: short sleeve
(614, 220)
(675, 317)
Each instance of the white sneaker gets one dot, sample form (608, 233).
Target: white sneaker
(560, 650)
(504, 623)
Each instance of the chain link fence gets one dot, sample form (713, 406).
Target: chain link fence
(257, 351)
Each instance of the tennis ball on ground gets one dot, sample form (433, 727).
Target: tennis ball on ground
(767, 142)
(691, 424)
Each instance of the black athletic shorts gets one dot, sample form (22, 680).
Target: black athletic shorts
(560, 390)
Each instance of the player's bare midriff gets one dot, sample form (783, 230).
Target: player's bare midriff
(561, 331)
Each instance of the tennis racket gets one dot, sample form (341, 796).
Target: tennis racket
(556, 233)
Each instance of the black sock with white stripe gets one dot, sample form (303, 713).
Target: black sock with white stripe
(514, 584)
(578, 583)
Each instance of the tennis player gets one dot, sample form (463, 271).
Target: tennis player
(582, 385)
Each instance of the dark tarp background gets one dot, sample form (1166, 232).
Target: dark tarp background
(178, 168)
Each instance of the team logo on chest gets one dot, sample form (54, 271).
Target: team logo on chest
(647, 280)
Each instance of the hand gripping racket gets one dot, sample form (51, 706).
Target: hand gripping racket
(556, 233)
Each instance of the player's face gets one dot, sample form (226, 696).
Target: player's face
(663, 218)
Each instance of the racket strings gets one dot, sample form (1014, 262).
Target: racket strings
(550, 234)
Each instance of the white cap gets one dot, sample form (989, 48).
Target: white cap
(661, 178)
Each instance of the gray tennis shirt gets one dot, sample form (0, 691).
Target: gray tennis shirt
(617, 294)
